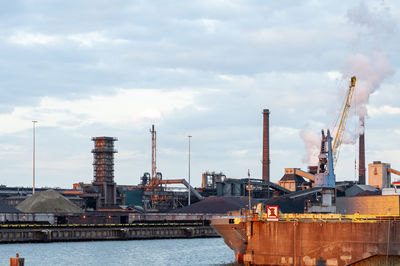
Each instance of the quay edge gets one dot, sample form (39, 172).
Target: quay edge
(98, 232)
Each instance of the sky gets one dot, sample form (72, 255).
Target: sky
(203, 68)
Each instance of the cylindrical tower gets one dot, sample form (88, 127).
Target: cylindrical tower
(361, 155)
(103, 170)
(103, 163)
(265, 159)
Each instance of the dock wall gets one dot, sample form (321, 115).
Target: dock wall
(92, 233)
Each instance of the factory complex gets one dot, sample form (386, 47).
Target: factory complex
(103, 201)
(308, 207)
(322, 222)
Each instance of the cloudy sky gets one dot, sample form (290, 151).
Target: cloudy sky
(204, 68)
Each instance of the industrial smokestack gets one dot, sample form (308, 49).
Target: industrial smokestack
(265, 160)
(361, 155)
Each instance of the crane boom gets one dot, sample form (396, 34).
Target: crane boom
(390, 170)
(343, 120)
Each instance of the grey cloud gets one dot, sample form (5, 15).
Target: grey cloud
(182, 45)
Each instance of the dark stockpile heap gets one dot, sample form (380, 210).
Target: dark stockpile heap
(49, 201)
(227, 204)
(216, 205)
(5, 208)
(288, 205)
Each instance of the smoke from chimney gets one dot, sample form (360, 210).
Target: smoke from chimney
(313, 144)
(370, 64)
(371, 67)
(371, 72)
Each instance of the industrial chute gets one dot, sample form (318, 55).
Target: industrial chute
(340, 124)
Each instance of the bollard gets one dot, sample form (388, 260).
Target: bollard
(17, 261)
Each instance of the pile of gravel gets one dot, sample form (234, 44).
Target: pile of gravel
(49, 201)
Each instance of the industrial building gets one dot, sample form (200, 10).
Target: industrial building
(155, 194)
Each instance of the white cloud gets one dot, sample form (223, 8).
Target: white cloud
(238, 79)
(389, 156)
(334, 75)
(87, 39)
(128, 155)
(209, 24)
(280, 130)
(275, 36)
(91, 38)
(383, 110)
(127, 107)
(239, 153)
(7, 150)
(77, 161)
(282, 152)
(25, 39)
(171, 152)
(253, 55)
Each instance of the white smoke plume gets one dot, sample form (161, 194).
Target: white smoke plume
(312, 140)
(372, 65)
(369, 64)
(376, 23)
(370, 71)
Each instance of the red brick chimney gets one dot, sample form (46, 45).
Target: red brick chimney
(265, 159)
(361, 155)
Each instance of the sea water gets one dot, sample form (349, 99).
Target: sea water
(198, 251)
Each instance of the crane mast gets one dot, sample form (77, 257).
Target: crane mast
(343, 120)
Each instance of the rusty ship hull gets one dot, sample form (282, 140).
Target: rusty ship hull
(234, 235)
(260, 242)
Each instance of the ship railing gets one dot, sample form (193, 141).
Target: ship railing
(315, 217)
(333, 217)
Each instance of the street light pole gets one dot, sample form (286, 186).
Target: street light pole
(34, 147)
(189, 172)
(249, 189)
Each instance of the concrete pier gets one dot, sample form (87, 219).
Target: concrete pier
(22, 234)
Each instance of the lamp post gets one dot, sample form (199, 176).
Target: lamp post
(249, 188)
(189, 173)
(34, 144)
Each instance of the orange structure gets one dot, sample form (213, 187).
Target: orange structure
(103, 167)
(17, 261)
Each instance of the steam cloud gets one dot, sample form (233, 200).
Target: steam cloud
(370, 71)
(313, 144)
(371, 67)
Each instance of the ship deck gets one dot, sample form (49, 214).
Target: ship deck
(312, 239)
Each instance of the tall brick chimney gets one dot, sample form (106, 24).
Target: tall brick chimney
(361, 155)
(265, 159)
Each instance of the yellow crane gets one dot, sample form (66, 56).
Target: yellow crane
(343, 120)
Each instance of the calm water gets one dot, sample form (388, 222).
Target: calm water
(200, 251)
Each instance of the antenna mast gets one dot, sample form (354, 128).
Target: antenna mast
(249, 188)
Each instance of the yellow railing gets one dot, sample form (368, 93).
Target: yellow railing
(135, 224)
(334, 217)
